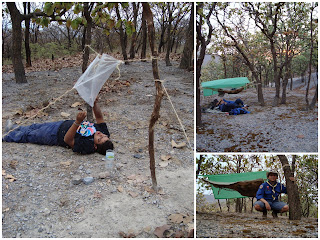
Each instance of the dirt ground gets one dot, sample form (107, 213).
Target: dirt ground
(252, 225)
(39, 195)
(286, 128)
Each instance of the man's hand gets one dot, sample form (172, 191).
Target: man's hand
(267, 206)
(69, 137)
(80, 117)
(97, 112)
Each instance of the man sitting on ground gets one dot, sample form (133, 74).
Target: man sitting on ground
(267, 196)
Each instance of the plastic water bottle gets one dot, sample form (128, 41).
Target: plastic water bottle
(109, 160)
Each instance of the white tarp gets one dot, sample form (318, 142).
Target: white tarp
(92, 80)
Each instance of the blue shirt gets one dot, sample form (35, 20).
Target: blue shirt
(270, 192)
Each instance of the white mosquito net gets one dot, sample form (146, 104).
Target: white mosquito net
(92, 80)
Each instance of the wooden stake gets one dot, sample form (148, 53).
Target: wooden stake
(159, 91)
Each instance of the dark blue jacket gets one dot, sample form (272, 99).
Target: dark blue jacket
(269, 192)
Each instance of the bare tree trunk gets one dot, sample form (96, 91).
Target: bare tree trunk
(169, 36)
(163, 30)
(159, 91)
(244, 204)
(252, 199)
(228, 205)
(310, 61)
(144, 38)
(26, 7)
(314, 99)
(186, 60)
(122, 37)
(292, 190)
(246, 60)
(199, 166)
(238, 205)
(238, 200)
(16, 19)
(284, 86)
(109, 43)
(219, 205)
(134, 35)
(291, 77)
(203, 45)
(224, 60)
(87, 41)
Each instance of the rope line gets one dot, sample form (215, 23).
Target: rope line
(40, 110)
(91, 49)
(68, 91)
(182, 127)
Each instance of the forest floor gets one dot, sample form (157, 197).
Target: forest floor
(252, 225)
(286, 128)
(39, 196)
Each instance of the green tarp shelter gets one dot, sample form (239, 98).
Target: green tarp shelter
(224, 179)
(211, 87)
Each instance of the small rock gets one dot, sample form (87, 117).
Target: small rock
(103, 175)
(88, 180)
(76, 180)
(46, 212)
(137, 156)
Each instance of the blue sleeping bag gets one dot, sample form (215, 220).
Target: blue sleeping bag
(237, 111)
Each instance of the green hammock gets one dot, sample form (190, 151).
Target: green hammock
(223, 185)
(212, 87)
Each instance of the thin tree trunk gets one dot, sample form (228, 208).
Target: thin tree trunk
(26, 7)
(284, 85)
(247, 62)
(228, 205)
(203, 45)
(199, 166)
(16, 19)
(87, 41)
(291, 77)
(122, 37)
(292, 190)
(252, 199)
(219, 205)
(169, 36)
(109, 43)
(310, 61)
(134, 35)
(186, 60)
(163, 30)
(314, 99)
(159, 91)
(144, 38)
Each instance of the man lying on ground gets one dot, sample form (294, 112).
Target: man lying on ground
(232, 107)
(82, 136)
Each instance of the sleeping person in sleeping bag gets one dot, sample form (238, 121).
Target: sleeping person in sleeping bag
(232, 107)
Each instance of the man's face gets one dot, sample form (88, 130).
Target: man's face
(100, 138)
(273, 177)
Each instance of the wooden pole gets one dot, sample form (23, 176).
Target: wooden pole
(159, 91)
